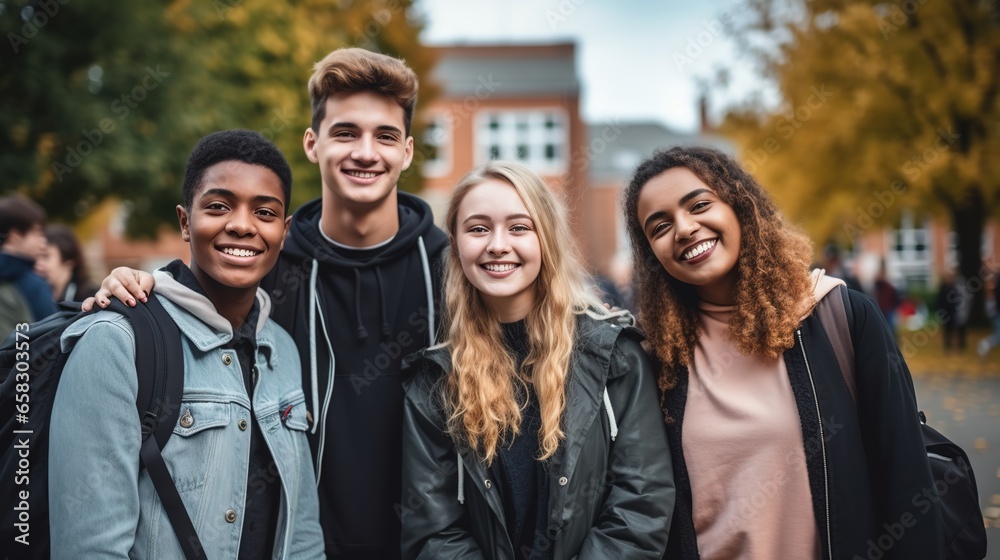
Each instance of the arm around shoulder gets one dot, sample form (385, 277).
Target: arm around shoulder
(638, 508)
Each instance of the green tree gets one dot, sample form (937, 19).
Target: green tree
(884, 106)
(215, 64)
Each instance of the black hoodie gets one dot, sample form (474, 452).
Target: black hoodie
(367, 309)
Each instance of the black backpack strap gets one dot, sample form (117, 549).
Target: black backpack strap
(833, 313)
(160, 365)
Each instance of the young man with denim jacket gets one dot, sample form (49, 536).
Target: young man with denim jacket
(357, 285)
(239, 455)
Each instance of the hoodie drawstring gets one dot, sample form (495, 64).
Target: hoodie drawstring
(362, 333)
(461, 477)
(386, 331)
(312, 341)
(430, 291)
(611, 415)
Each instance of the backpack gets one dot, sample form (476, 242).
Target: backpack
(14, 308)
(963, 528)
(31, 364)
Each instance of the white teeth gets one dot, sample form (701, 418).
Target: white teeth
(239, 252)
(698, 249)
(500, 267)
(362, 174)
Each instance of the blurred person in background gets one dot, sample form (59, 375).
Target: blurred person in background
(63, 266)
(887, 297)
(953, 300)
(834, 266)
(24, 295)
(993, 312)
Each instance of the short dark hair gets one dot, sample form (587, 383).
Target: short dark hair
(246, 146)
(20, 214)
(351, 70)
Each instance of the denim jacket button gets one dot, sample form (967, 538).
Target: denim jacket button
(227, 358)
(243, 424)
(563, 481)
(231, 516)
(488, 484)
(187, 420)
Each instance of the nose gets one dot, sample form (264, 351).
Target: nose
(499, 244)
(364, 150)
(241, 223)
(685, 227)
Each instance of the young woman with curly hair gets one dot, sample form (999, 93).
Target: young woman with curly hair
(772, 457)
(534, 431)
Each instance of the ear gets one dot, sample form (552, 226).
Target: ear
(408, 156)
(184, 219)
(288, 222)
(309, 145)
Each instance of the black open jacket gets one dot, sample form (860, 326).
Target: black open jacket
(608, 499)
(867, 466)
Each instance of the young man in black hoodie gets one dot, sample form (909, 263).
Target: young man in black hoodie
(356, 285)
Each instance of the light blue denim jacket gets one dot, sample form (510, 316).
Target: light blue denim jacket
(102, 506)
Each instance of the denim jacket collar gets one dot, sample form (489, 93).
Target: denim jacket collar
(200, 322)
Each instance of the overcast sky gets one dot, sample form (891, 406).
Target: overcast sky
(637, 59)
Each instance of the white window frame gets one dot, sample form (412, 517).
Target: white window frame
(441, 166)
(536, 137)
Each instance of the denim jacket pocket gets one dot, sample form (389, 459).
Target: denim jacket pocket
(197, 441)
(293, 407)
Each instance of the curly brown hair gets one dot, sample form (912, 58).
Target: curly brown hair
(772, 267)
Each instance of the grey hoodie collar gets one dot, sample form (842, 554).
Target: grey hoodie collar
(200, 306)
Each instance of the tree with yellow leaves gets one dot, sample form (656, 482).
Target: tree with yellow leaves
(885, 106)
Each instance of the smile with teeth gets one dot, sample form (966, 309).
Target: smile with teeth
(240, 252)
(500, 267)
(698, 249)
(362, 174)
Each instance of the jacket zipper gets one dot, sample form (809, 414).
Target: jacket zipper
(822, 443)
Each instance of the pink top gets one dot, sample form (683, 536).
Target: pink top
(743, 447)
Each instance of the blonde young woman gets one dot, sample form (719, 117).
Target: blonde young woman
(534, 431)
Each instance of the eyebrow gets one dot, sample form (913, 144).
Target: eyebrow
(260, 198)
(382, 128)
(684, 199)
(693, 194)
(488, 218)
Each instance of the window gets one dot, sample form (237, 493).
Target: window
(437, 146)
(539, 138)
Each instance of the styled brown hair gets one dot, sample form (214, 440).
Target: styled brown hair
(353, 70)
(772, 267)
(19, 214)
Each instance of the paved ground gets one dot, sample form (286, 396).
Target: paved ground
(967, 410)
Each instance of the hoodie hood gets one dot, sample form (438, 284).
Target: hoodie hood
(306, 242)
(13, 266)
(822, 285)
(202, 308)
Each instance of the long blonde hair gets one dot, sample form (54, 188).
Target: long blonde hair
(479, 393)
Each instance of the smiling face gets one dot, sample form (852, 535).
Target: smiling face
(236, 225)
(692, 232)
(498, 248)
(361, 148)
